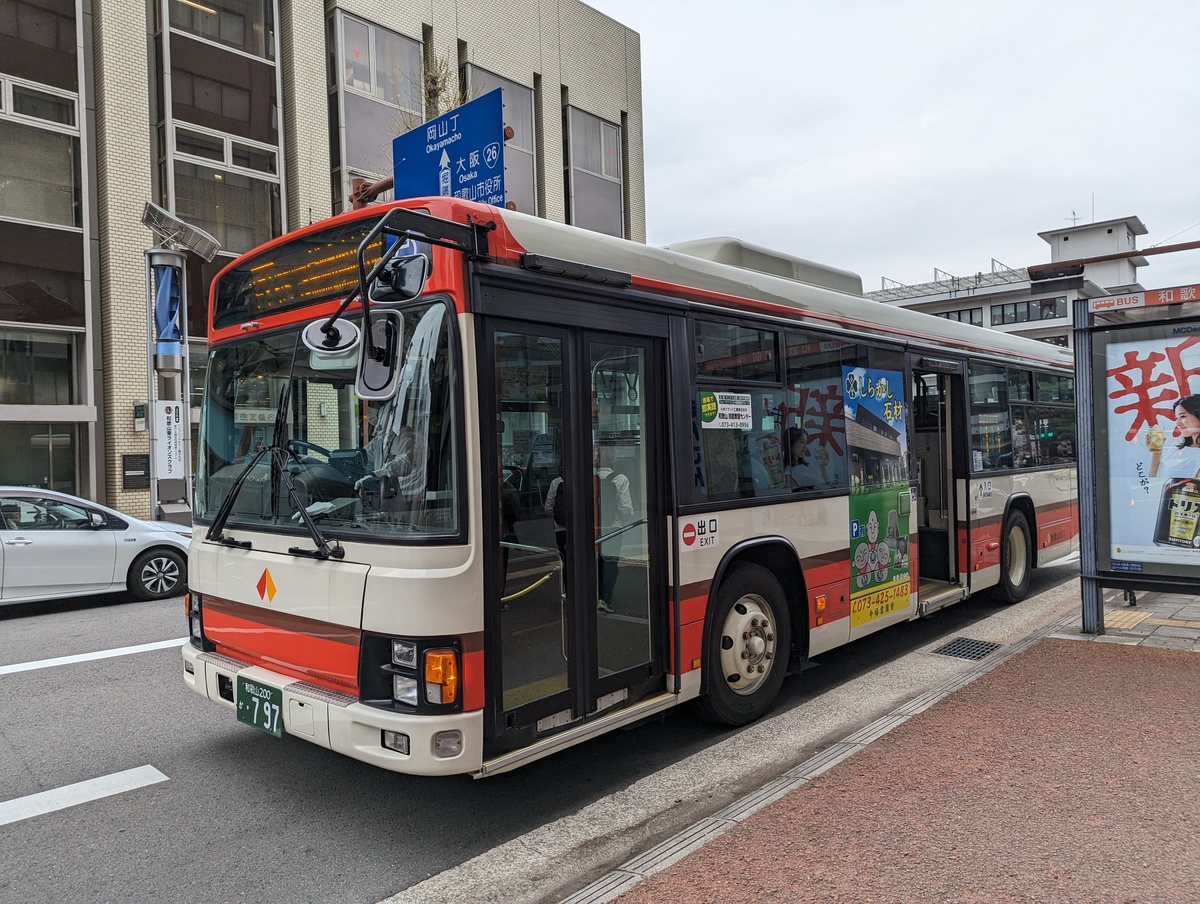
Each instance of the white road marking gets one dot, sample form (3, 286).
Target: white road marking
(80, 793)
(89, 657)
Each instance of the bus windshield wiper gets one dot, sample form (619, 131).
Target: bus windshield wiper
(325, 550)
(279, 456)
(216, 529)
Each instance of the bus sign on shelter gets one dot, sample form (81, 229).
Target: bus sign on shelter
(459, 154)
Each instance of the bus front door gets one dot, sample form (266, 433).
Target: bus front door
(576, 564)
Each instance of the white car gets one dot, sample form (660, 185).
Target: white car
(54, 545)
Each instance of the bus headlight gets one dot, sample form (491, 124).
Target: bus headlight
(404, 653)
(441, 676)
(404, 689)
(193, 605)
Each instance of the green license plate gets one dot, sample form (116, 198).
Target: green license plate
(259, 705)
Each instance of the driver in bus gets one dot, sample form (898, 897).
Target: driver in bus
(395, 461)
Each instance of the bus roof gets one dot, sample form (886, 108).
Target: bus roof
(676, 268)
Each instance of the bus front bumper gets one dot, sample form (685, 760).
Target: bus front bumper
(341, 723)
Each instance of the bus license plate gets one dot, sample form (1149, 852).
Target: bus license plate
(259, 705)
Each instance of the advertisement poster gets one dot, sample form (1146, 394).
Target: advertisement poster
(726, 411)
(877, 446)
(169, 425)
(1151, 404)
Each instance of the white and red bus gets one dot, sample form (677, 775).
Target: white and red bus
(549, 483)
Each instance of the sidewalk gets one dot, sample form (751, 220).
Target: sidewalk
(1066, 769)
(1170, 621)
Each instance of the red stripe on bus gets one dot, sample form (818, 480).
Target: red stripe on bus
(328, 661)
(1058, 523)
(691, 610)
(472, 677)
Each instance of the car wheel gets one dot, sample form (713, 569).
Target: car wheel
(157, 574)
(748, 647)
(1016, 558)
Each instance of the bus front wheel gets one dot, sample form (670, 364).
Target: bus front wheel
(1016, 557)
(748, 646)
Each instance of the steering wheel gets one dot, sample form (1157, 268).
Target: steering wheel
(303, 447)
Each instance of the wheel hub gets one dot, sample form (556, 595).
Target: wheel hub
(748, 644)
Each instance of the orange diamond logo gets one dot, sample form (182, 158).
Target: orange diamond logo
(266, 587)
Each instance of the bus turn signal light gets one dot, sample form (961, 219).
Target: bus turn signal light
(441, 676)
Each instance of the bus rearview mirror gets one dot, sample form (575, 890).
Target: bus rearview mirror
(401, 279)
(379, 364)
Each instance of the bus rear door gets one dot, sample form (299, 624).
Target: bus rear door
(939, 451)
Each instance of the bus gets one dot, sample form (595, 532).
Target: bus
(473, 486)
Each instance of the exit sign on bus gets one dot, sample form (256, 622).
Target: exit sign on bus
(699, 532)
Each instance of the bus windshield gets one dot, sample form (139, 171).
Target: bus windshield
(385, 469)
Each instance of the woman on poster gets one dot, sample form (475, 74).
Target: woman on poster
(1184, 459)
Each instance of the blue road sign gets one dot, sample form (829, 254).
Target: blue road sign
(460, 153)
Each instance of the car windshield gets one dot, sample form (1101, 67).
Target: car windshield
(359, 468)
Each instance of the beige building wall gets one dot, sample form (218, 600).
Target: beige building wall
(124, 164)
(305, 112)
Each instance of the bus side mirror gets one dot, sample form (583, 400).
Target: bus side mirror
(379, 364)
(401, 279)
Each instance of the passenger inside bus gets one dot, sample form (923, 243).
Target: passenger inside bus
(802, 473)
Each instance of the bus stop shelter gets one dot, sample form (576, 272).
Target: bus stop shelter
(1137, 361)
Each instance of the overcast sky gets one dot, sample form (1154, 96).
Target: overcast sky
(890, 138)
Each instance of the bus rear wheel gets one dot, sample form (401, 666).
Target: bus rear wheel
(1016, 557)
(748, 647)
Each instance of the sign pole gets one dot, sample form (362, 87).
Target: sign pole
(1085, 419)
(167, 379)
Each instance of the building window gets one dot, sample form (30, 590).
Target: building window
(238, 210)
(520, 173)
(596, 192)
(972, 316)
(36, 368)
(40, 179)
(219, 142)
(223, 92)
(382, 64)
(39, 175)
(226, 151)
(40, 455)
(36, 104)
(1027, 311)
(245, 25)
(37, 42)
(375, 96)
(41, 275)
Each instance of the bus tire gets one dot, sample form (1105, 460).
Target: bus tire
(1016, 557)
(748, 648)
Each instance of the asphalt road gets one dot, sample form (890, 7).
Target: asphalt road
(221, 812)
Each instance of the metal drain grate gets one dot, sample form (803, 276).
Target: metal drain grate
(966, 648)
